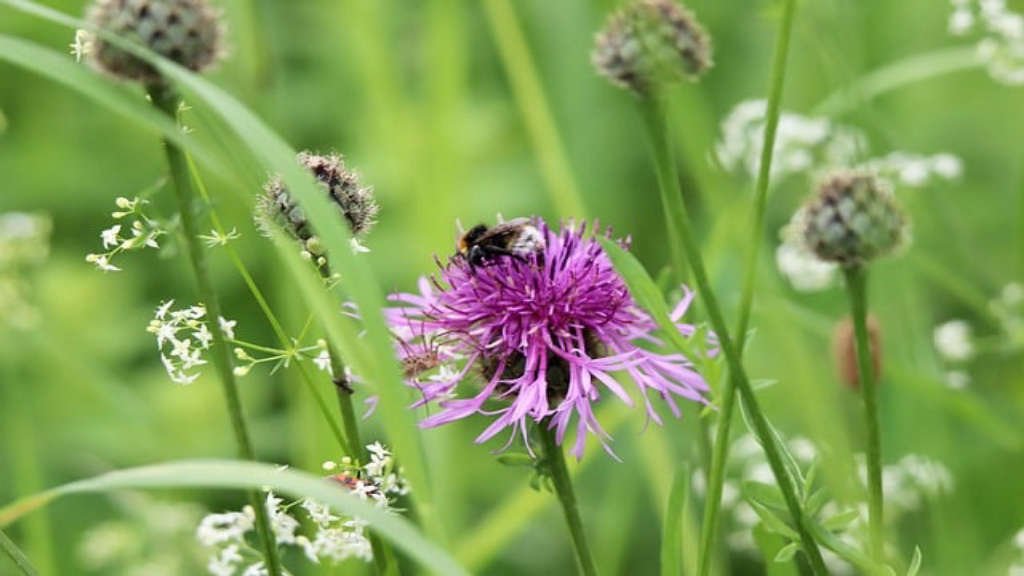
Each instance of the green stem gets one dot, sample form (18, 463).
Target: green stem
(675, 208)
(16, 555)
(856, 286)
(567, 497)
(709, 528)
(167, 101)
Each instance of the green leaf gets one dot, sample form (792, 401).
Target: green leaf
(251, 475)
(841, 521)
(773, 522)
(787, 552)
(767, 495)
(672, 532)
(915, 562)
(646, 294)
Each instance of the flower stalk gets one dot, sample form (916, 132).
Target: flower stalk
(567, 497)
(167, 101)
(856, 286)
(716, 476)
(672, 200)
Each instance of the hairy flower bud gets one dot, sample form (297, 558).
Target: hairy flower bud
(649, 42)
(189, 32)
(355, 203)
(852, 219)
(844, 351)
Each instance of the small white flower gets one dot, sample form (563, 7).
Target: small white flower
(953, 341)
(323, 361)
(215, 529)
(102, 262)
(82, 45)
(357, 246)
(111, 236)
(227, 327)
(204, 336)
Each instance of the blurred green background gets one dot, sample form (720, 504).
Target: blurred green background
(419, 97)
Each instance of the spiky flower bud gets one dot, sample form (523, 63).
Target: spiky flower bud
(844, 351)
(852, 219)
(649, 42)
(355, 203)
(189, 32)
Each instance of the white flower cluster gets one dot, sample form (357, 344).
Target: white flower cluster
(1000, 32)
(24, 244)
(182, 337)
(808, 145)
(141, 232)
(953, 341)
(335, 538)
(802, 143)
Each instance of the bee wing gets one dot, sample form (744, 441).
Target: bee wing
(505, 229)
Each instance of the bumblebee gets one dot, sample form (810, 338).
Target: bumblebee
(517, 238)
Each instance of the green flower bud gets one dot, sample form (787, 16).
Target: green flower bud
(189, 32)
(852, 219)
(355, 203)
(650, 42)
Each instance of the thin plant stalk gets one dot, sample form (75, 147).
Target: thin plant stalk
(673, 204)
(856, 286)
(716, 476)
(567, 497)
(16, 555)
(167, 101)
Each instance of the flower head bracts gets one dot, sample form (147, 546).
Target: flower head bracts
(546, 333)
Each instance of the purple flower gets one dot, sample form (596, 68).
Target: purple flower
(546, 333)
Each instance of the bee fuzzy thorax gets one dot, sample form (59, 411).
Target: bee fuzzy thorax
(517, 238)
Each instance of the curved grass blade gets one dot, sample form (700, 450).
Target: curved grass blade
(230, 474)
